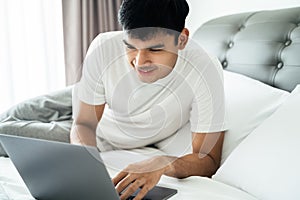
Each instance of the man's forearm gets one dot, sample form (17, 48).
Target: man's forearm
(83, 135)
(189, 165)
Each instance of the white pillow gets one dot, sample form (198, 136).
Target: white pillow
(249, 102)
(267, 163)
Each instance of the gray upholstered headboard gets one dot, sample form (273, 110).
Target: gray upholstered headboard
(263, 45)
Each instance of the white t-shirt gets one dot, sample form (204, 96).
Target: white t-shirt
(138, 114)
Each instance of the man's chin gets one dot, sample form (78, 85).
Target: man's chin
(147, 80)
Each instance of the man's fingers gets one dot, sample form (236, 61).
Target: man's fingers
(143, 192)
(119, 177)
(125, 183)
(132, 188)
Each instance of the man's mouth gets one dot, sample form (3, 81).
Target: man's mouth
(146, 69)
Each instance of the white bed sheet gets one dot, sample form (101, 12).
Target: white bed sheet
(12, 186)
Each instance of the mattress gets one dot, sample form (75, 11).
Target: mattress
(13, 187)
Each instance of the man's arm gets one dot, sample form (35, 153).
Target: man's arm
(203, 161)
(83, 130)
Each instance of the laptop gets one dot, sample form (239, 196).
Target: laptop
(61, 171)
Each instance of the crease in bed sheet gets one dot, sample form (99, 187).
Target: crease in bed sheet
(3, 194)
(12, 186)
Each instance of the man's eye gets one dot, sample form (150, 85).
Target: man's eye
(155, 50)
(130, 47)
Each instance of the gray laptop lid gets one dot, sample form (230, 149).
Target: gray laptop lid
(53, 170)
(61, 171)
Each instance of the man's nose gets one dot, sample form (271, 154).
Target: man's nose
(141, 58)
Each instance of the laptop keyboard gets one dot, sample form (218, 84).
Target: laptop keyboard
(132, 197)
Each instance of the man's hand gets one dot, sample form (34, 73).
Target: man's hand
(203, 161)
(144, 175)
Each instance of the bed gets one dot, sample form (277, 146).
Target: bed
(260, 53)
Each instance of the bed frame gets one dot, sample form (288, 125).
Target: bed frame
(263, 45)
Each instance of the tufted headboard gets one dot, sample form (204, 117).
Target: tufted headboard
(263, 45)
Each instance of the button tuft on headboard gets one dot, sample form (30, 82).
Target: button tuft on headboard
(242, 27)
(279, 65)
(288, 42)
(224, 63)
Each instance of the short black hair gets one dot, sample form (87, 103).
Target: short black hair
(159, 15)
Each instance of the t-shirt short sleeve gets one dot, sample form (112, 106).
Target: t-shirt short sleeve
(208, 107)
(90, 88)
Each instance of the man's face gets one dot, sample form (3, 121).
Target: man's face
(153, 58)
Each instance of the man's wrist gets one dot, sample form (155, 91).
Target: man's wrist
(166, 163)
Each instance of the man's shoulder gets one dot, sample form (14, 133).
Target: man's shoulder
(194, 50)
(111, 41)
(197, 56)
(112, 36)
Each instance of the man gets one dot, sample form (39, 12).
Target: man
(153, 83)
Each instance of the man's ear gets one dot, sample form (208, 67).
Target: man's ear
(183, 38)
